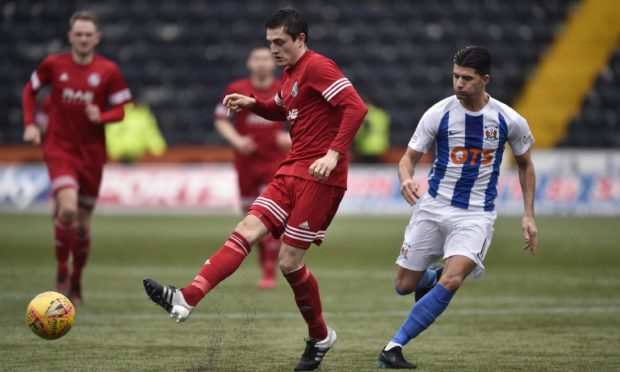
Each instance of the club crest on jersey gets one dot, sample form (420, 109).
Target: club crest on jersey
(94, 79)
(404, 250)
(491, 132)
(295, 89)
(63, 77)
(292, 114)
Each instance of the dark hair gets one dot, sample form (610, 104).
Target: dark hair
(83, 15)
(292, 20)
(475, 57)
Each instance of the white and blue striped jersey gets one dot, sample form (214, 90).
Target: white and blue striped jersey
(469, 147)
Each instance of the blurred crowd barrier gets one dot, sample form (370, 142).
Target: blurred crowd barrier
(568, 183)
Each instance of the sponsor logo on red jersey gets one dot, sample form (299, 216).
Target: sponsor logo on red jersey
(292, 115)
(77, 96)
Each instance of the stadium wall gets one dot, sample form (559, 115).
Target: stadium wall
(568, 183)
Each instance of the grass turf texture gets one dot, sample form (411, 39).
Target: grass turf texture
(558, 311)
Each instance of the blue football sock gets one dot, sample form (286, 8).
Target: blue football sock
(428, 279)
(423, 314)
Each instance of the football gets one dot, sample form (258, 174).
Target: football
(50, 315)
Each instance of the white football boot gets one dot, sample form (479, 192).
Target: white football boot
(315, 351)
(169, 298)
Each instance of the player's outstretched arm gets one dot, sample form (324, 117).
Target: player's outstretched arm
(406, 167)
(236, 102)
(527, 178)
(267, 109)
(32, 133)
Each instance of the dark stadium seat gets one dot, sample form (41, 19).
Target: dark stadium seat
(181, 54)
(598, 123)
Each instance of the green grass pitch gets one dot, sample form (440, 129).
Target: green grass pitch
(557, 311)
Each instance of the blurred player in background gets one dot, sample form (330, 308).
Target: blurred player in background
(455, 219)
(260, 146)
(87, 91)
(324, 112)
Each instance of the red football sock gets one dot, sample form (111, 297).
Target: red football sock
(217, 268)
(268, 255)
(80, 256)
(308, 301)
(65, 236)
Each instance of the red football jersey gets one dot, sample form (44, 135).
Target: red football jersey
(247, 123)
(311, 91)
(73, 86)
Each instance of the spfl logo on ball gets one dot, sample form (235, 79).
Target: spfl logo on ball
(294, 90)
(94, 79)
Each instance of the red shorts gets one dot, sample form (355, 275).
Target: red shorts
(299, 209)
(253, 181)
(65, 172)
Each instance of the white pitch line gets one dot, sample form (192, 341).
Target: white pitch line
(158, 314)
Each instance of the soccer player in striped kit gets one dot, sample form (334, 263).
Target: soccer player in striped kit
(324, 112)
(454, 220)
(87, 92)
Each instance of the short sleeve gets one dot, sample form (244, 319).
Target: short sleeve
(328, 80)
(118, 94)
(520, 137)
(42, 75)
(426, 132)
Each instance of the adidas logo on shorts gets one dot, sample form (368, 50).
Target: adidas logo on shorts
(304, 225)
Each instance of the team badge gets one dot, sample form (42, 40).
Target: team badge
(294, 90)
(64, 77)
(404, 250)
(491, 132)
(94, 79)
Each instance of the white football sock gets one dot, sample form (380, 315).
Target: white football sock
(392, 345)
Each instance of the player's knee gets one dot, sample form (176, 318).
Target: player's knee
(288, 265)
(289, 262)
(67, 215)
(83, 230)
(451, 283)
(403, 287)
(249, 230)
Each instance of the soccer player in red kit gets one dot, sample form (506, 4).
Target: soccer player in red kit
(324, 112)
(83, 85)
(260, 146)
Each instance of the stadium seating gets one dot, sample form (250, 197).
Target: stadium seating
(181, 54)
(598, 124)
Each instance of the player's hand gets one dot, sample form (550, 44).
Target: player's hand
(324, 166)
(245, 145)
(409, 190)
(530, 234)
(32, 134)
(93, 114)
(236, 102)
(283, 140)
